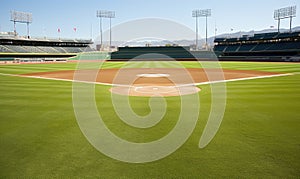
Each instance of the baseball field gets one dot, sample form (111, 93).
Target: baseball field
(259, 136)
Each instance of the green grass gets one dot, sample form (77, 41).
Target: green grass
(259, 136)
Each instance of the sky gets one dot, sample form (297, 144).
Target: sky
(227, 16)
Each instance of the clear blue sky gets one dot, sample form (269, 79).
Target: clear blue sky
(49, 15)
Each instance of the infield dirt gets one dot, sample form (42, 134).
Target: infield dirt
(142, 82)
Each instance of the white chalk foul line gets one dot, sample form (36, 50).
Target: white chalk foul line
(55, 79)
(180, 85)
(242, 79)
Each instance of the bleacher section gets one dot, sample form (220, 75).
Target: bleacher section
(12, 44)
(247, 47)
(279, 46)
(232, 48)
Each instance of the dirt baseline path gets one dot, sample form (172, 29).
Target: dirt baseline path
(152, 81)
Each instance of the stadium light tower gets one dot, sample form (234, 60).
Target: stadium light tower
(283, 13)
(195, 14)
(105, 14)
(201, 13)
(21, 17)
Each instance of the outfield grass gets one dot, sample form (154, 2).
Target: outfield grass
(259, 136)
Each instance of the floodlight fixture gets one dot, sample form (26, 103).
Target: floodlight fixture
(105, 14)
(201, 13)
(21, 17)
(284, 13)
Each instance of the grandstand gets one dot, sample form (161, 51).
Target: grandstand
(260, 47)
(17, 47)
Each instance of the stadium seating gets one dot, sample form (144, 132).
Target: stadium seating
(32, 49)
(262, 47)
(3, 48)
(12, 44)
(285, 46)
(265, 36)
(42, 49)
(247, 47)
(60, 49)
(14, 48)
(47, 49)
(232, 48)
(220, 48)
(280, 45)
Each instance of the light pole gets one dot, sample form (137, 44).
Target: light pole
(105, 14)
(21, 17)
(195, 14)
(112, 14)
(201, 13)
(283, 13)
(100, 27)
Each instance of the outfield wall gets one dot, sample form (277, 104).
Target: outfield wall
(180, 53)
(160, 53)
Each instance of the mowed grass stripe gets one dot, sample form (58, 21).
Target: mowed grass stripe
(259, 136)
(30, 68)
(262, 66)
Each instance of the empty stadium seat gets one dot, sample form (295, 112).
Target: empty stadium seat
(232, 48)
(220, 48)
(14, 48)
(262, 47)
(3, 48)
(247, 47)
